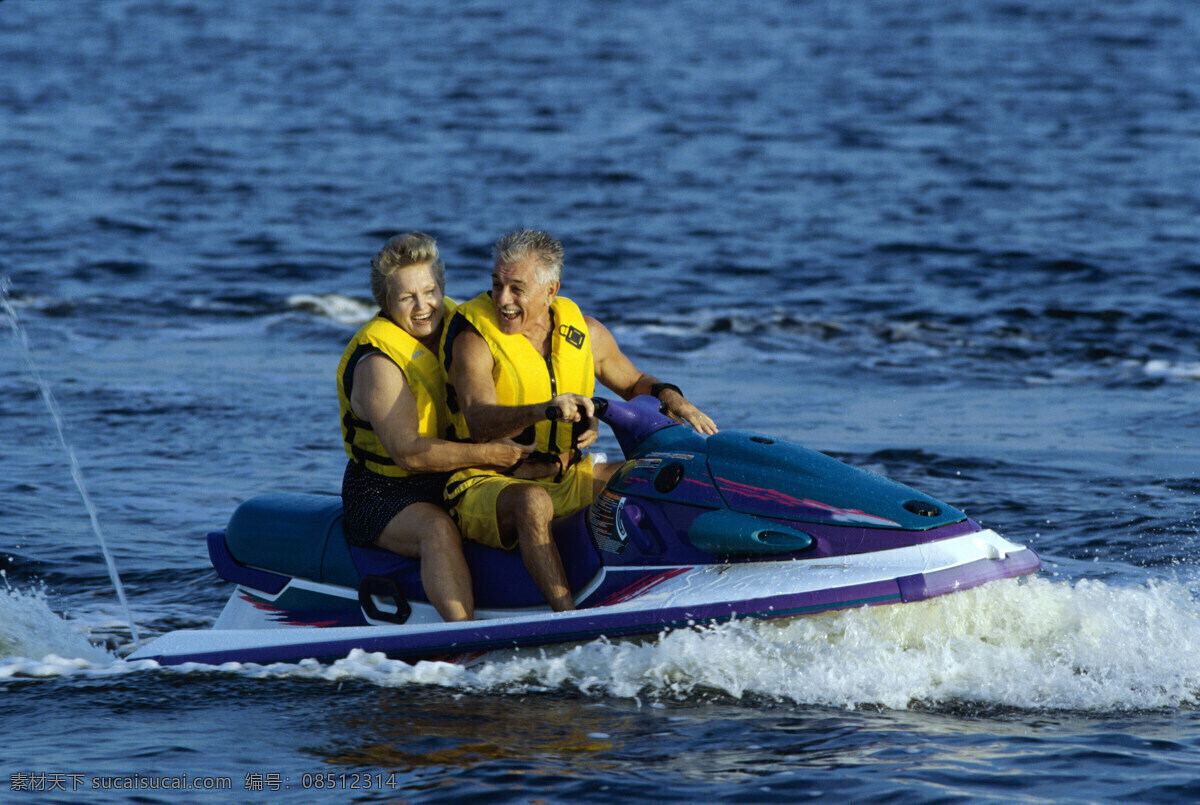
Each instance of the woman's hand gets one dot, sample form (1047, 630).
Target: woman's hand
(520, 461)
(540, 465)
(506, 453)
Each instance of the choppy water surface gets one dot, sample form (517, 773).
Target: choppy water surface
(954, 243)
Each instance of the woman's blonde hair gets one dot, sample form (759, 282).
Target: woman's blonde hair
(402, 251)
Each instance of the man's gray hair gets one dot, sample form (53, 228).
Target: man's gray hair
(531, 244)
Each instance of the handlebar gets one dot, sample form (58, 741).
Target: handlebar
(631, 421)
(599, 405)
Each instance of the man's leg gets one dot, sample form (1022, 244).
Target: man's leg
(425, 531)
(526, 511)
(601, 473)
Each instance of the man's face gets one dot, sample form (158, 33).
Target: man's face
(520, 300)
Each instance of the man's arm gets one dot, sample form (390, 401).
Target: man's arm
(616, 371)
(471, 376)
(382, 397)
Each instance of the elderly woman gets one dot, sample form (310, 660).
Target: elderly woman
(391, 387)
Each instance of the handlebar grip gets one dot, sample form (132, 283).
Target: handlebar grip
(599, 404)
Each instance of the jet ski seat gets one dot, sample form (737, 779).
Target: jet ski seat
(300, 535)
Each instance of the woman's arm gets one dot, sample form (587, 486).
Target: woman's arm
(382, 397)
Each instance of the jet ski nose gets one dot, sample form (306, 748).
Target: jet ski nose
(923, 508)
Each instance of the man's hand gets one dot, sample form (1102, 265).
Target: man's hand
(676, 406)
(582, 413)
(572, 407)
(589, 434)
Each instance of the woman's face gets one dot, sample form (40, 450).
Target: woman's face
(415, 301)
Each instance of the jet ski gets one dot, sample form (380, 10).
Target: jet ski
(690, 530)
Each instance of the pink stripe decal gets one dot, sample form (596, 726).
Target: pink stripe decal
(642, 585)
(283, 616)
(782, 499)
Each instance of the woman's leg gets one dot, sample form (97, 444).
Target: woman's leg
(425, 531)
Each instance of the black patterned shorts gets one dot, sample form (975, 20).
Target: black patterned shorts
(370, 500)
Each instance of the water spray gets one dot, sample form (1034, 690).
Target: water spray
(76, 472)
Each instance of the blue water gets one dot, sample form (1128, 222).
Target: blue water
(956, 243)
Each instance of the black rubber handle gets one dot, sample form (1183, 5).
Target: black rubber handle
(599, 405)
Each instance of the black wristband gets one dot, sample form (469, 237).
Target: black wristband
(659, 388)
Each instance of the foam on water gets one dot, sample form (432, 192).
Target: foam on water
(35, 642)
(1167, 369)
(342, 309)
(1036, 644)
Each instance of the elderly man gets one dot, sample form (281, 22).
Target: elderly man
(513, 355)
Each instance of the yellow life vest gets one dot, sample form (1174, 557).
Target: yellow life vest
(426, 379)
(522, 375)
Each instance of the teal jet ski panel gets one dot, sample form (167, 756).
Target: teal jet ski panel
(758, 475)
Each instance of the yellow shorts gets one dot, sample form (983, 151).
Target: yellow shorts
(471, 496)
